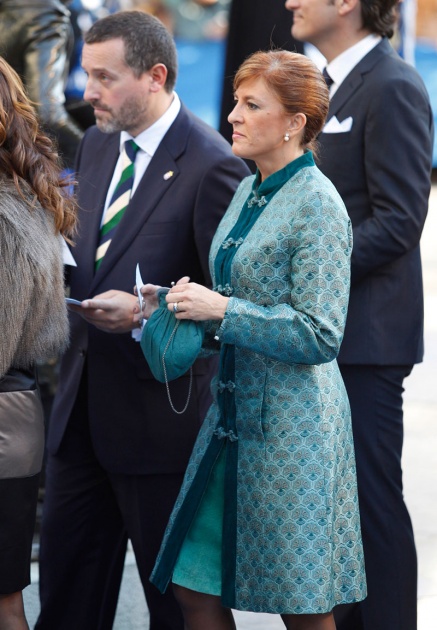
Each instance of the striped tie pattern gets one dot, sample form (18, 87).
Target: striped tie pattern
(119, 202)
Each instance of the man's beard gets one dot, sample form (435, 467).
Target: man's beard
(129, 117)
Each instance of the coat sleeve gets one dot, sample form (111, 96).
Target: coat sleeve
(397, 162)
(307, 326)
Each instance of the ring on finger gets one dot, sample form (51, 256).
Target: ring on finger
(175, 307)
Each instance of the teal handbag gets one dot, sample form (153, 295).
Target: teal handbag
(171, 345)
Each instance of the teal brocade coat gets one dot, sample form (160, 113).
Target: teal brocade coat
(291, 530)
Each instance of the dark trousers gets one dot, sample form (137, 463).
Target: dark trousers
(375, 395)
(88, 516)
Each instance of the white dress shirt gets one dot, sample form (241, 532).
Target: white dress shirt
(342, 65)
(148, 141)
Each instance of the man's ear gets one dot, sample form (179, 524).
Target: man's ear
(347, 6)
(158, 77)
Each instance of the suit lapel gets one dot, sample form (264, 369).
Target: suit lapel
(155, 183)
(357, 76)
(94, 201)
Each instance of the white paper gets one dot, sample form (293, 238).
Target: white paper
(335, 126)
(139, 283)
(67, 256)
(137, 332)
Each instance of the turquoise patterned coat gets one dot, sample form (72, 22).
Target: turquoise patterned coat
(291, 537)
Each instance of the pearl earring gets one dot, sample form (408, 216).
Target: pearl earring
(286, 137)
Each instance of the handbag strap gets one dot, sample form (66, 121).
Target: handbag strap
(166, 378)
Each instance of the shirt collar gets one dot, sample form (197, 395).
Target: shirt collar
(150, 139)
(342, 65)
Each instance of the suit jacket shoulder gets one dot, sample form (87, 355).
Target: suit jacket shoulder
(191, 134)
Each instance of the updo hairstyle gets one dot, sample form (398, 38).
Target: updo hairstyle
(296, 82)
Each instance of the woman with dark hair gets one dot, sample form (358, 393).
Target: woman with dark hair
(35, 210)
(267, 519)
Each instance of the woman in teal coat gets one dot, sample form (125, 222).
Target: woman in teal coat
(267, 519)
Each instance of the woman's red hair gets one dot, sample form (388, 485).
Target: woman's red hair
(297, 83)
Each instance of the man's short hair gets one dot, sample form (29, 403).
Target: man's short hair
(379, 16)
(146, 40)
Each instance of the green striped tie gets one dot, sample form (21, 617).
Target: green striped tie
(119, 202)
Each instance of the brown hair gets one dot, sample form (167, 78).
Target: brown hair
(297, 83)
(27, 155)
(379, 16)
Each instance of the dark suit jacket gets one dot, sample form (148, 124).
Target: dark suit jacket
(167, 229)
(382, 170)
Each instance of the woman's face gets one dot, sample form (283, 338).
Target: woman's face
(259, 125)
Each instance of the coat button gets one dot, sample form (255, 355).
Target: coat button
(82, 352)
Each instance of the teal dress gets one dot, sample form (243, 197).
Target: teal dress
(199, 564)
(267, 516)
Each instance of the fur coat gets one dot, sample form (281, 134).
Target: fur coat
(33, 315)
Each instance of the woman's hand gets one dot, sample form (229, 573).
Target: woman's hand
(189, 300)
(150, 299)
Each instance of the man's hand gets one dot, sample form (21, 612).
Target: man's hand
(112, 311)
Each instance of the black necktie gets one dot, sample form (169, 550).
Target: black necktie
(328, 80)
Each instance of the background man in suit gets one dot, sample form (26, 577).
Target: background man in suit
(117, 452)
(377, 148)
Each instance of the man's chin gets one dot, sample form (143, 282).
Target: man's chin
(298, 30)
(105, 126)
(295, 33)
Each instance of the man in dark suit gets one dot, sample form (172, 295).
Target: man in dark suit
(117, 451)
(377, 149)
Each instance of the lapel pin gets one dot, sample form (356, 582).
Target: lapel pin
(167, 175)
